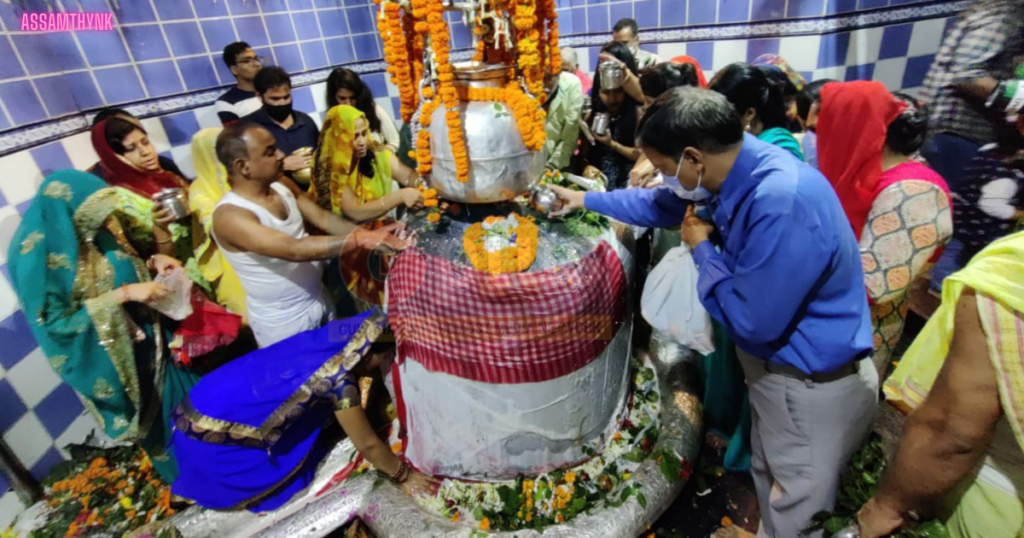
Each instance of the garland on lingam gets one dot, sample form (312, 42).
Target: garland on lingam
(417, 44)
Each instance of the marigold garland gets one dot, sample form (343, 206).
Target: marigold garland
(508, 260)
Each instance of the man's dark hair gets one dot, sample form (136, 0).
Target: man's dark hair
(808, 95)
(690, 117)
(232, 51)
(746, 87)
(271, 77)
(627, 23)
(109, 112)
(661, 78)
(116, 130)
(907, 132)
(231, 144)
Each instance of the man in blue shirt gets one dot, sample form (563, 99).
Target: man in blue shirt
(292, 129)
(787, 284)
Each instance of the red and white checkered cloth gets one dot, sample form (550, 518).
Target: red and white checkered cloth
(518, 328)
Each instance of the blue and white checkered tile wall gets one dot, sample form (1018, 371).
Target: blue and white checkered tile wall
(163, 63)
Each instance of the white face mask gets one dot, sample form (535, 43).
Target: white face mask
(696, 195)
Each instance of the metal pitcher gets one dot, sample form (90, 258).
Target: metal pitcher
(600, 124)
(612, 75)
(173, 200)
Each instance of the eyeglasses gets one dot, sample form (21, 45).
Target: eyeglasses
(255, 59)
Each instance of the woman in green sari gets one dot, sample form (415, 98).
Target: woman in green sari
(85, 288)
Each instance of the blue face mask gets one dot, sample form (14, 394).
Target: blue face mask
(698, 195)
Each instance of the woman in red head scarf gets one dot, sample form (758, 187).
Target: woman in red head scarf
(899, 208)
(128, 158)
(701, 80)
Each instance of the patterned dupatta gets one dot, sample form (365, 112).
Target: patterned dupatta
(67, 258)
(333, 169)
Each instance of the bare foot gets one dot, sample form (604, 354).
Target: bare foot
(732, 532)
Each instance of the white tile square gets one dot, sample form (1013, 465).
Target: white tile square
(207, 117)
(182, 156)
(21, 177)
(318, 119)
(319, 96)
(890, 72)
(33, 378)
(10, 508)
(79, 431)
(729, 52)
(667, 51)
(801, 51)
(9, 221)
(157, 135)
(835, 73)
(28, 439)
(865, 46)
(583, 56)
(8, 300)
(80, 151)
(386, 104)
(926, 38)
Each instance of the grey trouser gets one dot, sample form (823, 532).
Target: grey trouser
(802, 437)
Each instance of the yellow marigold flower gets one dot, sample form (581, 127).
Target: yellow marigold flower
(485, 524)
(126, 503)
(570, 477)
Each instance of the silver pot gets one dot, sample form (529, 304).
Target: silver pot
(544, 200)
(173, 200)
(600, 124)
(612, 75)
(500, 166)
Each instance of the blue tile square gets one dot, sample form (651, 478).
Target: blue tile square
(360, 20)
(806, 8)
(198, 73)
(56, 96)
(58, 410)
(577, 3)
(901, 2)
(565, 25)
(161, 78)
(185, 38)
(11, 14)
(22, 103)
(339, 50)
(377, 82)
(306, 25)
(673, 13)
(3, 268)
(266, 53)
(733, 10)
(367, 46)
(832, 51)
(619, 11)
(146, 42)
(36, 52)
(895, 41)
(313, 54)
(860, 72)
(295, 5)
(327, 3)
(242, 7)
(65, 48)
(42, 468)
(130, 12)
(250, 30)
(3, 202)
(757, 47)
(51, 157)
(917, 69)
(289, 57)
(273, 6)
(23, 207)
(703, 52)
(4, 484)
(280, 28)
(119, 85)
(332, 22)
(11, 404)
(174, 10)
(207, 10)
(873, 4)
(701, 12)
(579, 20)
(223, 72)
(762, 10)
(841, 6)
(219, 34)
(597, 19)
(302, 99)
(462, 36)
(359, 3)
(180, 127)
(17, 339)
(396, 104)
(103, 48)
(84, 90)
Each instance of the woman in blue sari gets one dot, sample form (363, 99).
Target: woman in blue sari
(247, 435)
(85, 288)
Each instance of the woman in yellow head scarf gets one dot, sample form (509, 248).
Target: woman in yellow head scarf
(352, 175)
(210, 186)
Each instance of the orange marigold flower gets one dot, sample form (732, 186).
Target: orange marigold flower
(433, 217)
(485, 524)
(726, 521)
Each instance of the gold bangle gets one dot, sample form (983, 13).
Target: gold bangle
(165, 241)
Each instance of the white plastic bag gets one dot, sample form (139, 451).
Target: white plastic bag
(671, 305)
(177, 304)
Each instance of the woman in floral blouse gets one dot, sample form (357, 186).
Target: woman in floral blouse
(898, 207)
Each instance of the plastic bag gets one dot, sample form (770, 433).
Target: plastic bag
(177, 304)
(671, 305)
